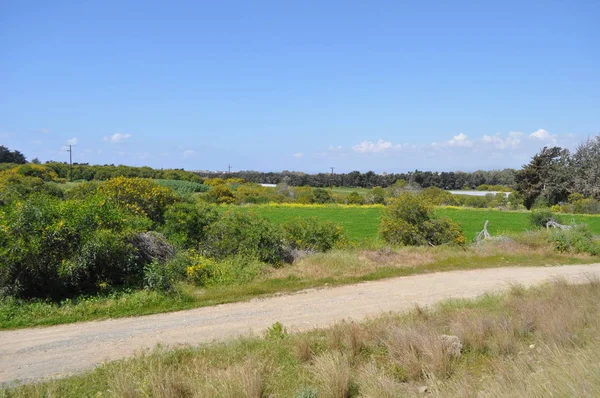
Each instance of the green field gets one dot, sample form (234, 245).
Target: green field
(361, 223)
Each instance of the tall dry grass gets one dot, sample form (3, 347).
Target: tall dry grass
(541, 341)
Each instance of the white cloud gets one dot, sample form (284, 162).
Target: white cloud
(372, 147)
(542, 134)
(72, 141)
(460, 140)
(188, 153)
(117, 137)
(44, 131)
(298, 155)
(512, 141)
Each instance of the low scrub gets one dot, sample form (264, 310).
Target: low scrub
(244, 234)
(312, 234)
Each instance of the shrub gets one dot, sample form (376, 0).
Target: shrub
(246, 234)
(321, 196)
(577, 239)
(158, 276)
(186, 223)
(204, 271)
(312, 234)
(408, 220)
(354, 198)
(141, 196)
(53, 248)
(540, 217)
(220, 194)
(15, 186)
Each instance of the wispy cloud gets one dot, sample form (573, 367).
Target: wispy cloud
(72, 141)
(373, 147)
(298, 155)
(117, 138)
(188, 153)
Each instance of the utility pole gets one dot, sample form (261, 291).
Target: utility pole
(331, 179)
(228, 169)
(70, 150)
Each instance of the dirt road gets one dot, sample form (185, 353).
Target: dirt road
(31, 354)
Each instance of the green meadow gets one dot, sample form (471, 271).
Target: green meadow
(361, 222)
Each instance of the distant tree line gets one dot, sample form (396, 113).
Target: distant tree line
(356, 179)
(106, 172)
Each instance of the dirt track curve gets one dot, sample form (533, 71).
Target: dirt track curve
(36, 353)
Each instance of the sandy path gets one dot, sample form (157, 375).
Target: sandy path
(35, 353)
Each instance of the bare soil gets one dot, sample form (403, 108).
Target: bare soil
(56, 351)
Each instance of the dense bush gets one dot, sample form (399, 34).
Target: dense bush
(577, 239)
(541, 217)
(312, 234)
(53, 248)
(408, 220)
(140, 196)
(14, 186)
(185, 223)
(246, 234)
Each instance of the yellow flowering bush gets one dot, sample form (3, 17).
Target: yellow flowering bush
(141, 196)
(201, 270)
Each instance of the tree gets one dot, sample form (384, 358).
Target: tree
(8, 156)
(586, 167)
(547, 176)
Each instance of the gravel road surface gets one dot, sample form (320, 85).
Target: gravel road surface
(55, 351)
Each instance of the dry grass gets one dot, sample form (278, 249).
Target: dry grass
(331, 372)
(529, 248)
(541, 341)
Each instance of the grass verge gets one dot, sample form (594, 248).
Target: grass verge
(328, 269)
(541, 341)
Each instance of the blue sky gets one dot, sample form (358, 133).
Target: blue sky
(299, 85)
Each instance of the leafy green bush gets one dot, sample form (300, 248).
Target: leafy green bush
(312, 234)
(158, 276)
(577, 239)
(246, 234)
(408, 220)
(53, 248)
(541, 217)
(186, 223)
(204, 271)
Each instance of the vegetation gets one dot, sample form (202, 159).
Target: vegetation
(541, 341)
(8, 156)
(409, 221)
(143, 244)
(202, 281)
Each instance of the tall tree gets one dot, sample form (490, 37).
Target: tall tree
(8, 156)
(586, 165)
(548, 174)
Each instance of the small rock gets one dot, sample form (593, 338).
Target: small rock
(452, 345)
(531, 346)
(422, 389)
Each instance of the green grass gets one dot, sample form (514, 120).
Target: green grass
(361, 223)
